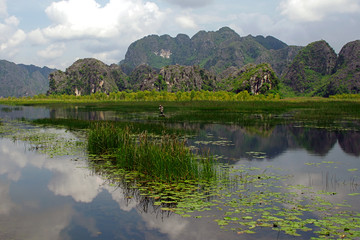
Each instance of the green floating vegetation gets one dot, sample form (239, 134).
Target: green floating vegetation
(167, 158)
(257, 155)
(244, 200)
(248, 200)
(47, 142)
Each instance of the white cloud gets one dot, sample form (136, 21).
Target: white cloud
(186, 22)
(15, 38)
(10, 35)
(89, 29)
(53, 51)
(111, 56)
(316, 10)
(37, 37)
(3, 9)
(191, 3)
(84, 19)
(252, 23)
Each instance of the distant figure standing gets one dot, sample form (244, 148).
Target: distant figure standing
(161, 108)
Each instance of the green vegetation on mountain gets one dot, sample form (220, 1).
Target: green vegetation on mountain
(211, 61)
(214, 51)
(17, 80)
(309, 68)
(317, 70)
(346, 78)
(176, 78)
(256, 79)
(87, 76)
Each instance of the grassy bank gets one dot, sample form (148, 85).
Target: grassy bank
(324, 112)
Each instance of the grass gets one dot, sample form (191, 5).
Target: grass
(166, 159)
(153, 127)
(254, 114)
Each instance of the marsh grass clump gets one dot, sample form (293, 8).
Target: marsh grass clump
(166, 158)
(104, 138)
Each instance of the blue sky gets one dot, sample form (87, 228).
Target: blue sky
(57, 33)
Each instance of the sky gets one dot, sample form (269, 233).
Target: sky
(57, 33)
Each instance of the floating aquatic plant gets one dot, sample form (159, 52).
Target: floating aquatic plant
(248, 200)
(48, 142)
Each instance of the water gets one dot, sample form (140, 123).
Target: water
(61, 197)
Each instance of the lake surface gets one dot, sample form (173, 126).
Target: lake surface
(44, 196)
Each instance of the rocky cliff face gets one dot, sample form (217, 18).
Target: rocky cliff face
(18, 80)
(178, 78)
(214, 51)
(86, 76)
(256, 79)
(142, 78)
(346, 76)
(157, 52)
(317, 70)
(310, 65)
(279, 59)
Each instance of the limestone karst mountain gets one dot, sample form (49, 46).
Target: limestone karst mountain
(17, 80)
(214, 60)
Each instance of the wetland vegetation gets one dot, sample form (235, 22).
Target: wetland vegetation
(166, 158)
(150, 158)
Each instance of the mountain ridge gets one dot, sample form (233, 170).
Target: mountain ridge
(213, 60)
(18, 80)
(213, 50)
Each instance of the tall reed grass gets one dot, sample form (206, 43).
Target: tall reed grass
(167, 158)
(104, 138)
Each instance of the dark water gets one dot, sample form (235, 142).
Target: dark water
(62, 198)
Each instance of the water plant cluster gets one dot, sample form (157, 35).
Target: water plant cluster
(166, 158)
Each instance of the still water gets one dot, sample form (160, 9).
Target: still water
(45, 197)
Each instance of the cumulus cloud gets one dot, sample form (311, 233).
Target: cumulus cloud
(10, 34)
(186, 22)
(37, 37)
(190, 3)
(53, 51)
(316, 10)
(90, 26)
(83, 19)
